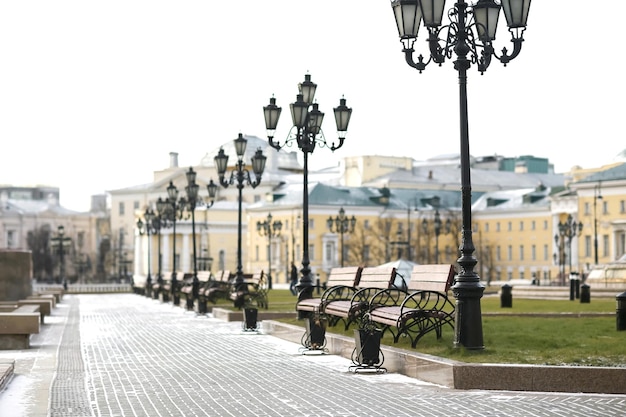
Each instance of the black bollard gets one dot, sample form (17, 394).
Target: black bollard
(585, 293)
(506, 296)
(621, 311)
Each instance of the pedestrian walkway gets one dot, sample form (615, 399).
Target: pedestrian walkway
(127, 355)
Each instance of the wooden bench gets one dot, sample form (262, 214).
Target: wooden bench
(423, 307)
(218, 287)
(253, 292)
(340, 285)
(350, 310)
(187, 287)
(17, 325)
(166, 288)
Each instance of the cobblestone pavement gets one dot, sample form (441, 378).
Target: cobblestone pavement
(127, 355)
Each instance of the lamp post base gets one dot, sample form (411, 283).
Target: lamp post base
(468, 327)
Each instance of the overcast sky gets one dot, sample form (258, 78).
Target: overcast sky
(95, 94)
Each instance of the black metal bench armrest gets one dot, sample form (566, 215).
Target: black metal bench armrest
(428, 301)
(338, 292)
(388, 297)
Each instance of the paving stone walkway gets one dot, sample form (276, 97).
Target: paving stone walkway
(127, 355)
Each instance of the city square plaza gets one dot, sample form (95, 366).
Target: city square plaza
(129, 355)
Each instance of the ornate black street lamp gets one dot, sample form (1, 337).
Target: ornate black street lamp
(175, 209)
(341, 224)
(596, 196)
(160, 221)
(437, 224)
(307, 133)
(242, 176)
(193, 201)
(569, 229)
(468, 37)
(147, 228)
(271, 230)
(60, 241)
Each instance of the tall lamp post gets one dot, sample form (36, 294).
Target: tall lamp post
(569, 229)
(147, 228)
(437, 225)
(468, 37)
(241, 176)
(271, 230)
(341, 224)
(159, 222)
(193, 201)
(596, 196)
(307, 133)
(60, 241)
(175, 210)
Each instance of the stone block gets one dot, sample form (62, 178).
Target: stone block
(16, 274)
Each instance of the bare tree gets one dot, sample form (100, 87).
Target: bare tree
(38, 241)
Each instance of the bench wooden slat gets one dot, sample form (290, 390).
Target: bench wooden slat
(346, 277)
(424, 307)
(349, 311)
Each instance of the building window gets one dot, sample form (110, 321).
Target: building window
(521, 225)
(545, 252)
(498, 253)
(121, 208)
(587, 208)
(532, 225)
(509, 251)
(497, 226)
(311, 252)
(366, 224)
(521, 274)
(510, 226)
(533, 252)
(11, 239)
(311, 223)
(329, 251)
(587, 246)
(622, 206)
(605, 207)
(486, 227)
(136, 205)
(605, 245)
(366, 253)
(256, 253)
(521, 252)
(545, 225)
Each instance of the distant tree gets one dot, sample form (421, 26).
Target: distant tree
(38, 241)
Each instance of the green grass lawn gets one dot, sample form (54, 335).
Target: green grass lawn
(566, 340)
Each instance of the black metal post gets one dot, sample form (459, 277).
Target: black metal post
(307, 124)
(596, 196)
(271, 229)
(240, 175)
(341, 224)
(468, 37)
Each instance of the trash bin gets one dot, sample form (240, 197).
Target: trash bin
(621, 311)
(585, 293)
(250, 318)
(506, 296)
(367, 347)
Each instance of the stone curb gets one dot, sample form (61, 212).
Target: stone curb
(466, 376)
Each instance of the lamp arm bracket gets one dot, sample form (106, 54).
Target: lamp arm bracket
(505, 58)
